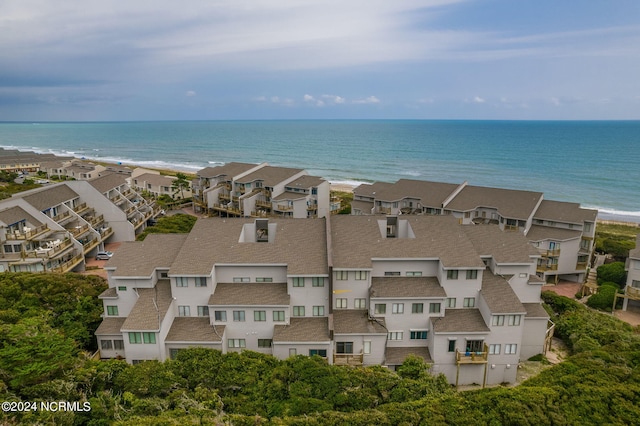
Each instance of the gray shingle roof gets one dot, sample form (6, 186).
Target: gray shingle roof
(560, 211)
(499, 296)
(110, 293)
(16, 214)
(155, 179)
(539, 233)
(364, 206)
(431, 194)
(270, 175)
(510, 203)
(306, 182)
(371, 190)
(194, 329)
(357, 239)
(535, 310)
(229, 169)
(403, 287)
(356, 321)
(504, 247)
(396, 356)
(303, 330)
(108, 181)
(150, 308)
(216, 240)
(141, 258)
(250, 294)
(110, 326)
(460, 321)
(50, 196)
(288, 195)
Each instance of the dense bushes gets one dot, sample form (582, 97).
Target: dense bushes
(612, 272)
(176, 224)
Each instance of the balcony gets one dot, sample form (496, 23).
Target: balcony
(52, 249)
(80, 208)
(511, 228)
(263, 204)
(224, 197)
(95, 220)
(632, 292)
(61, 217)
(544, 268)
(472, 357)
(283, 208)
(348, 359)
(549, 253)
(229, 210)
(89, 244)
(106, 232)
(581, 265)
(27, 233)
(68, 265)
(384, 210)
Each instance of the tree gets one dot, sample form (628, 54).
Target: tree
(180, 183)
(612, 272)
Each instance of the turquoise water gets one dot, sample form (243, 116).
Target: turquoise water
(595, 163)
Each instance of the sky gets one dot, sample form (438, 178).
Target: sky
(113, 60)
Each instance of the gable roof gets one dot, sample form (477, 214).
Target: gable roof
(231, 170)
(357, 321)
(194, 329)
(499, 296)
(270, 175)
(560, 211)
(432, 194)
(303, 330)
(16, 214)
(250, 294)
(216, 241)
(150, 308)
(510, 203)
(50, 196)
(141, 258)
(108, 181)
(504, 247)
(460, 321)
(539, 233)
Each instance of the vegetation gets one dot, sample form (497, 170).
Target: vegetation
(345, 199)
(612, 272)
(176, 224)
(616, 239)
(180, 184)
(47, 321)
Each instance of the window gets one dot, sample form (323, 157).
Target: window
(184, 311)
(342, 275)
(112, 310)
(510, 349)
(380, 308)
(392, 274)
(344, 347)
(587, 227)
(635, 283)
(513, 319)
(122, 288)
(318, 311)
(238, 315)
(298, 311)
(241, 279)
(259, 315)
(106, 345)
(181, 282)
(452, 275)
(472, 274)
(278, 316)
(467, 214)
(418, 335)
(367, 347)
(360, 303)
(203, 311)
(118, 344)
(201, 281)
(319, 352)
(135, 338)
(494, 349)
(361, 275)
(173, 353)
(293, 352)
(414, 273)
(395, 335)
(397, 308)
(220, 315)
(237, 343)
(341, 303)
(264, 280)
(452, 345)
(451, 302)
(497, 320)
(475, 345)
(264, 343)
(434, 308)
(298, 281)
(469, 302)
(317, 281)
(417, 308)
(149, 338)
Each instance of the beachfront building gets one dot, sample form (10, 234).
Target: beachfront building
(14, 161)
(53, 228)
(250, 190)
(632, 289)
(547, 224)
(355, 290)
(155, 184)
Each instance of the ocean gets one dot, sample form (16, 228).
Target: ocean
(594, 163)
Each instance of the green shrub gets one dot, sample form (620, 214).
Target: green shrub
(612, 272)
(603, 299)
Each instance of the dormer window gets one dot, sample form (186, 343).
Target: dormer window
(392, 226)
(262, 230)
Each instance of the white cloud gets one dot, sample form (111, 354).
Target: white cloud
(368, 100)
(555, 101)
(478, 100)
(190, 93)
(334, 99)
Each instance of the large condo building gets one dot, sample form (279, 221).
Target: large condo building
(563, 233)
(355, 290)
(260, 190)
